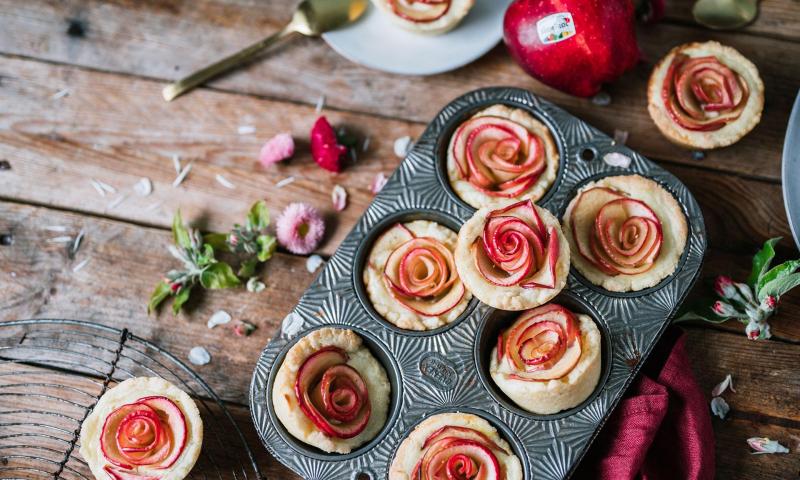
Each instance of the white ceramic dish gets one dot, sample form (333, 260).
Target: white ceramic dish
(375, 42)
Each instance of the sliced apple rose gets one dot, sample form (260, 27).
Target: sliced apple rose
(548, 360)
(421, 275)
(498, 156)
(517, 248)
(332, 394)
(420, 11)
(702, 93)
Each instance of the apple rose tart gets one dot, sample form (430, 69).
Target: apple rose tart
(430, 17)
(142, 429)
(451, 446)
(548, 360)
(330, 392)
(501, 154)
(513, 258)
(705, 95)
(627, 231)
(411, 277)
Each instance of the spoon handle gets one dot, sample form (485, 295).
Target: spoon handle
(200, 77)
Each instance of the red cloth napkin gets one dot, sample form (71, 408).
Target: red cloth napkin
(662, 427)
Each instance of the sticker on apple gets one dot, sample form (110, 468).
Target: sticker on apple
(555, 28)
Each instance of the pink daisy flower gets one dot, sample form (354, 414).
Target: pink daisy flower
(278, 148)
(300, 228)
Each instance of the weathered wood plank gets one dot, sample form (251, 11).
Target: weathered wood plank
(56, 147)
(777, 18)
(165, 45)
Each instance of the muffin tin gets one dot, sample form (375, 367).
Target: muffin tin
(446, 370)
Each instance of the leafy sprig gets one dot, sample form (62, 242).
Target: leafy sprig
(754, 301)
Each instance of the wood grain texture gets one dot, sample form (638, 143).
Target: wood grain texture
(777, 18)
(164, 45)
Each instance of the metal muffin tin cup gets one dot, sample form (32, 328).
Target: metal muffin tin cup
(446, 370)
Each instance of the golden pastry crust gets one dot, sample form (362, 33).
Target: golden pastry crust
(478, 199)
(730, 133)
(360, 358)
(130, 391)
(552, 396)
(457, 11)
(674, 230)
(410, 450)
(513, 297)
(383, 301)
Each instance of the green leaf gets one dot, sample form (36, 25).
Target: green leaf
(219, 275)
(777, 272)
(779, 286)
(248, 268)
(258, 217)
(266, 247)
(161, 292)
(761, 261)
(180, 235)
(181, 298)
(697, 316)
(219, 241)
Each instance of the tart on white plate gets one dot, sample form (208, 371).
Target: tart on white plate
(513, 258)
(330, 392)
(431, 17)
(499, 155)
(705, 95)
(142, 429)
(411, 277)
(626, 232)
(548, 360)
(453, 446)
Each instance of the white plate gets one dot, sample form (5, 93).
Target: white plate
(375, 42)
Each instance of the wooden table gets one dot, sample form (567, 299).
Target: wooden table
(80, 99)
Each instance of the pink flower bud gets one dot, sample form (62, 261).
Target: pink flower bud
(724, 287)
(769, 303)
(233, 240)
(753, 330)
(724, 309)
(175, 287)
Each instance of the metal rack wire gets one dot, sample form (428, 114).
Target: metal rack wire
(52, 372)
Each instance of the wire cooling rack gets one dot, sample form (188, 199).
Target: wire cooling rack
(52, 372)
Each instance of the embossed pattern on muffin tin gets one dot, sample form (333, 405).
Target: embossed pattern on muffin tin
(441, 370)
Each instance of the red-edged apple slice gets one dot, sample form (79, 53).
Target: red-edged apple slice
(555, 313)
(309, 373)
(582, 218)
(511, 244)
(108, 434)
(397, 234)
(542, 343)
(492, 273)
(429, 308)
(176, 423)
(419, 11)
(421, 267)
(342, 390)
(545, 277)
(525, 211)
(485, 462)
(464, 433)
(561, 368)
(117, 474)
(628, 252)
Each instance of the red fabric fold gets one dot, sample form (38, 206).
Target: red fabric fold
(661, 430)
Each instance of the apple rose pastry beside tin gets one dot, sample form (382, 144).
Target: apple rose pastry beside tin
(705, 95)
(627, 232)
(430, 17)
(451, 446)
(411, 277)
(330, 392)
(142, 429)
(499, 155)
(513, 258)
(548, 360)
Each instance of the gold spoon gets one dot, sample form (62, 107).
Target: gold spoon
(311, 18)
(725, 14)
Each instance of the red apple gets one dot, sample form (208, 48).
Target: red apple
(572, 45)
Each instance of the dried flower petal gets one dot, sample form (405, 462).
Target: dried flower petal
(602, 99)
(616, 159)
(80, 265)
(199, 356)
(182, 175)
(143, 187)
(620, 137)
(276, 149)
(244, 328)
(291, 325)
(224, 182)
(719, 407)
(313, 263)
(722, 386)
(765, 445)
(320, 104)
(60, 94)
(284, 182)
(176, 162)
(378, 183)
(402, 146)
(255, 285)
(116, 202)
(339, 198)
(220, 317)
(300, 228)
(246, 129)
(61, 239)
